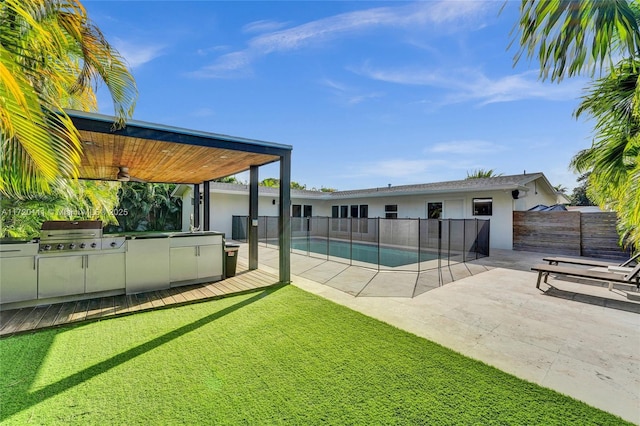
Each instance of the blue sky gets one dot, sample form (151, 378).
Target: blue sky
(367, 93)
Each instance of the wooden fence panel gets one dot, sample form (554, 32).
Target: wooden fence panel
(548, 232)
(568, 233)
(600, 236)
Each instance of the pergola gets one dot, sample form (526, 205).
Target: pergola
(163, 154)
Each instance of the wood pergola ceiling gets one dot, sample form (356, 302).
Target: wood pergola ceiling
(157, 153)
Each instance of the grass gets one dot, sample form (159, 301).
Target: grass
(274, 357)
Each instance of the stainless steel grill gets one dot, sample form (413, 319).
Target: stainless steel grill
(75, 235)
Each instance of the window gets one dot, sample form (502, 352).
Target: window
(363, 223)
(296, 210)
(391, 211)
(344, 211)
(482, 206)
(308, 211)
(334, 211)
(434, 210)
(354, 211)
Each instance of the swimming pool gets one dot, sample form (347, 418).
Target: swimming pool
(388, 256)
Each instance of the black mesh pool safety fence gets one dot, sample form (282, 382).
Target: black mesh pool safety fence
(385, 244)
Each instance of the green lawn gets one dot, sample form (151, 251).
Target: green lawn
(279, 356)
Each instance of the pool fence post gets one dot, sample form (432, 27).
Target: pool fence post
(439, 251)
(449, 244)
(419, 245)
(378, 238)
(464, 241)
(329, 223)
(351, 241)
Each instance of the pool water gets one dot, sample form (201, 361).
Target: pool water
(390, 257)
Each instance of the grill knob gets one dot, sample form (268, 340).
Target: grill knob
(60, 246)
(113, 244)
(72, 246)
(47, 247)
(82, 245)
(94, 245)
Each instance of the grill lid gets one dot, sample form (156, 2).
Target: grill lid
(50, 225)
(70, 229)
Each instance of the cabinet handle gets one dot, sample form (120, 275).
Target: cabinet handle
(87, 265)
(35, 262)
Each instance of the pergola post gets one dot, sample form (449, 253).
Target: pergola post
(196, 205)
(207, 206)
(284, 218)
(253, 217)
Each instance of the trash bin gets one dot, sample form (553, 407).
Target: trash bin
(230, 259)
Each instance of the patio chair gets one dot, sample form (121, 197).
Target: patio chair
(631, 278)
(591, 262)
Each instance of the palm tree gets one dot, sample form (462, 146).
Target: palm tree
(560, 188)
(147, 207)
(482, 173)
(574, 36)
(50, 57)
(614, 156)
(68, 200)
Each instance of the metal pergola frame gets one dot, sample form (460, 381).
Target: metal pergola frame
(107, 149)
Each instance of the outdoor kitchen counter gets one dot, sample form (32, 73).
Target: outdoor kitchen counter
(160, 260)
(144, 262)
(146, 235)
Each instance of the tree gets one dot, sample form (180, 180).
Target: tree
(482, 173)
(147, 207)
(275, 183)
(614, 157)
(570, 38)
(270, 183)
(560, 188)
(324, 189)
(51, 56)
(579, 196)
(68, 200)
(228, 179)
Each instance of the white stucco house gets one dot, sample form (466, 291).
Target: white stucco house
(493, 198)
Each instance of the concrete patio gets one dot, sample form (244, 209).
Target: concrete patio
(580, 340)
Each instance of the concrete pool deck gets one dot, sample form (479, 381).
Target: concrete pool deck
(580, 340)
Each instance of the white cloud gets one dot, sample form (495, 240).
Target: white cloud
(417, 14)
(347, 94)
(137, 55)
(397, 168)
(231, 65)
(469, 147)
(203, 112)
(263, 26)
(473, 85)
(213, 49)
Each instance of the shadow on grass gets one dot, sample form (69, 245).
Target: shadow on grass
(33, 398)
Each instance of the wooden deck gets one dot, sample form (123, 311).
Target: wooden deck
(16, 321)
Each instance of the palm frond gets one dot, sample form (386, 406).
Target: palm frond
(570, 36)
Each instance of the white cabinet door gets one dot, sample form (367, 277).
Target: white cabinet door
(209, 261)
(18, 279)
(104, 272)
(60, 276)
(147, 265)
(183, 263)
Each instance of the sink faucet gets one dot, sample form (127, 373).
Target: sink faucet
(191, 223)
